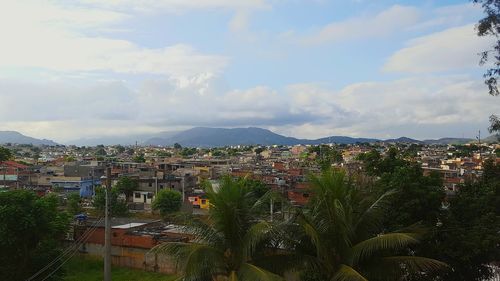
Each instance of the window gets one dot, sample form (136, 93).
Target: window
(137, 195)
(150, 195)
(203, 201)
(150, 184)
(305, 195)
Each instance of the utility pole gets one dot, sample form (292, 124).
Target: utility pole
(4, 175)
(107, 230)
(480, 149)
(271, 209)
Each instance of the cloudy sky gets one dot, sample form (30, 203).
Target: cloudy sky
(303, 68)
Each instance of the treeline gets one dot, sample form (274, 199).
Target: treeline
(389, 222)
(386, 221)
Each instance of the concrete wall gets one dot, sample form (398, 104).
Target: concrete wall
(132, 257)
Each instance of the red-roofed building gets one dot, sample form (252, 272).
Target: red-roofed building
(10, 172)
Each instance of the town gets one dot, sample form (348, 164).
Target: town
(75, 174)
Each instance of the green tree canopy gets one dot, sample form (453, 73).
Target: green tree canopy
(73, 203)
(167, 201)
(118, 207)
(5, 154)
(467, 238)
(341, 235)
(418, 198)
(139, 158)
(229, 243)
(31, 230)
(120, 149)
(127, 185)
(490, 26)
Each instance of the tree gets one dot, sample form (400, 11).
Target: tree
(73, 204)
(31, 231)
(118, 207)
(139, 158)
(229, 242)
(120, 149)
(5, 154)
(100, 152)
(186, 151)
(340, 235)
(127, 185)
(467, 238)
(167, 201)
(259, 150)
(326, 155)
(177, 146)
(418, 198)
(257, 187)
(490, 26)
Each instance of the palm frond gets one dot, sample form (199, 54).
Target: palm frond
(383, 242)
(413, 264)
(196, 261)
(250, 272)
(347, 273)
(255, 235)
(373, 215)
(396, 267)
(311, 232)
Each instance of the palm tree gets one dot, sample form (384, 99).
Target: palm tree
(228, 241)
(342, 239)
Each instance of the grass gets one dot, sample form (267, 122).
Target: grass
(91, 269)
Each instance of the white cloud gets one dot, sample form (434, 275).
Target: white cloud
(449, 16)
(387, 22)
(49, 37)
(416, 107)
(178, 5)
(452, 49)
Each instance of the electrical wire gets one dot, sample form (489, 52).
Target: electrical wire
(69, 249)
(65, 261)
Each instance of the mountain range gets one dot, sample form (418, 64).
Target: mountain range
(212, 137)
(16, 137)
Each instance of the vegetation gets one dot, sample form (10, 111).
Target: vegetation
(326, 155)
(91, 269)
(167, 201)
(467, 236)
(30, 232)
(5, 154)
(341, 235)
(118, 207)
(73, 204)
(490, 26)
(139, 158)
(230, 241)
(127, 185)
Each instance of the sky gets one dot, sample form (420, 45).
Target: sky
(302, 68)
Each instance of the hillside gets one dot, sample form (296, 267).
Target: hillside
(16, 137)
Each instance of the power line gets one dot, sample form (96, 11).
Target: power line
(76, 245)
(65, 261)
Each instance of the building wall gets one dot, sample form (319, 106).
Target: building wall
(132, 257)
(142, 197)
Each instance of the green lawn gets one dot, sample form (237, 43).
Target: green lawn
(91, 269)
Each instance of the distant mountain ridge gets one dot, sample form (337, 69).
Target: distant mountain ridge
(207, 137)
(212, 137)
(18, 138)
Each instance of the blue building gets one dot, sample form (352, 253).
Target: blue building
(85, 187)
